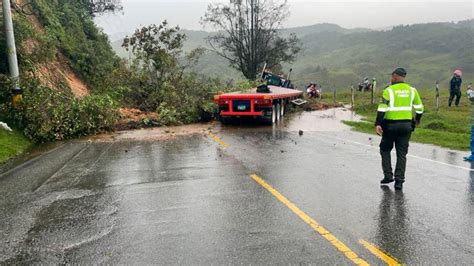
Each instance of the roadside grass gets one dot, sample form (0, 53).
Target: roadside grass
(450, 127)
(12, 144)
(450, 140)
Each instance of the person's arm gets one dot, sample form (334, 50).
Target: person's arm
(419, 108)
(383, 108)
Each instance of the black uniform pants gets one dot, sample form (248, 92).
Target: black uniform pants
(397, 133)
(454, 94)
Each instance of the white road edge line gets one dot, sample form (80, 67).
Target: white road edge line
(26, 163)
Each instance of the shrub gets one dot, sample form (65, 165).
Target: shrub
(49, 115)
(436, 125)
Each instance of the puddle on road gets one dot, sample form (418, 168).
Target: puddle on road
(329, 120)
(324, 120)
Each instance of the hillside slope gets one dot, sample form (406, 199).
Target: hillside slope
(59, 46)
(66, 71)
(55, 73)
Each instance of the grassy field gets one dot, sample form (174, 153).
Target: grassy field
(12, 144)
(450, 127)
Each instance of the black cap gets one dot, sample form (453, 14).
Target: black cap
(400, 71)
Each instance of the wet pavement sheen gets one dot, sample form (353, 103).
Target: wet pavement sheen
(189, 200)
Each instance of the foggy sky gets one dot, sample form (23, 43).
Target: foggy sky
(346, 13)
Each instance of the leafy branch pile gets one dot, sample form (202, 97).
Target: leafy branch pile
(159, 79)
(46, 115)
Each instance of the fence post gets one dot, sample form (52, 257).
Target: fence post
(352, 96)
(437, 96)
(374, 88)
(335, 95)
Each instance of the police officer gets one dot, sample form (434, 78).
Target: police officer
(395, 124)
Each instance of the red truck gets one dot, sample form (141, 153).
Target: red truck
(269, 107)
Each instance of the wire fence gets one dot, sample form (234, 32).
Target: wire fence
(434, 99)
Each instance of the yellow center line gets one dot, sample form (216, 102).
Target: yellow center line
(218, 140)
(379, 253)
(351, 255)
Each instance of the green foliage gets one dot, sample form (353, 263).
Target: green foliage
(436, 125)
(450, 140)
(158, 79)
(156, 44)
(337, 58)
(450, 127)
(98, 7)
(23, 31)
(430, 52)
(71, 25)
(12, 144)
(247, 39)
(48, 115)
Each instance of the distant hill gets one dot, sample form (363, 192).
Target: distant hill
(323, 27)
(198, 38)
(338, 57)
(429, 52)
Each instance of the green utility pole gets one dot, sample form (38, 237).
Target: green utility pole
(11, 51)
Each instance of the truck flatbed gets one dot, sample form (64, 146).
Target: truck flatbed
(269, 106)
(275, 93)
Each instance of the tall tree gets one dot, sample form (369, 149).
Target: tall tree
(99, 7)
(248, 34)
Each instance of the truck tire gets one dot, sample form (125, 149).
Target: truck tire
(271, 116)
(274, 118)
(278, 111)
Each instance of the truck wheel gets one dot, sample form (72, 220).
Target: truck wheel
(278, 111)
(274, 114)
(269, 117)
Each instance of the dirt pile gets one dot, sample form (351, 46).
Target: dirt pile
(156, 134)
(132, 118)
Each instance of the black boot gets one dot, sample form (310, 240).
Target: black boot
(386, 181)
(398, 185)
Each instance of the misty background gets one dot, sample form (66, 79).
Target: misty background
(381, 14)
(342, 41)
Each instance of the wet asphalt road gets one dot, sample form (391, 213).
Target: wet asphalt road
(192, 200)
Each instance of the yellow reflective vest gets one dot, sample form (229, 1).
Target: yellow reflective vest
(398, 102)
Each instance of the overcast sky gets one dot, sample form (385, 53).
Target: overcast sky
(347, 13)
